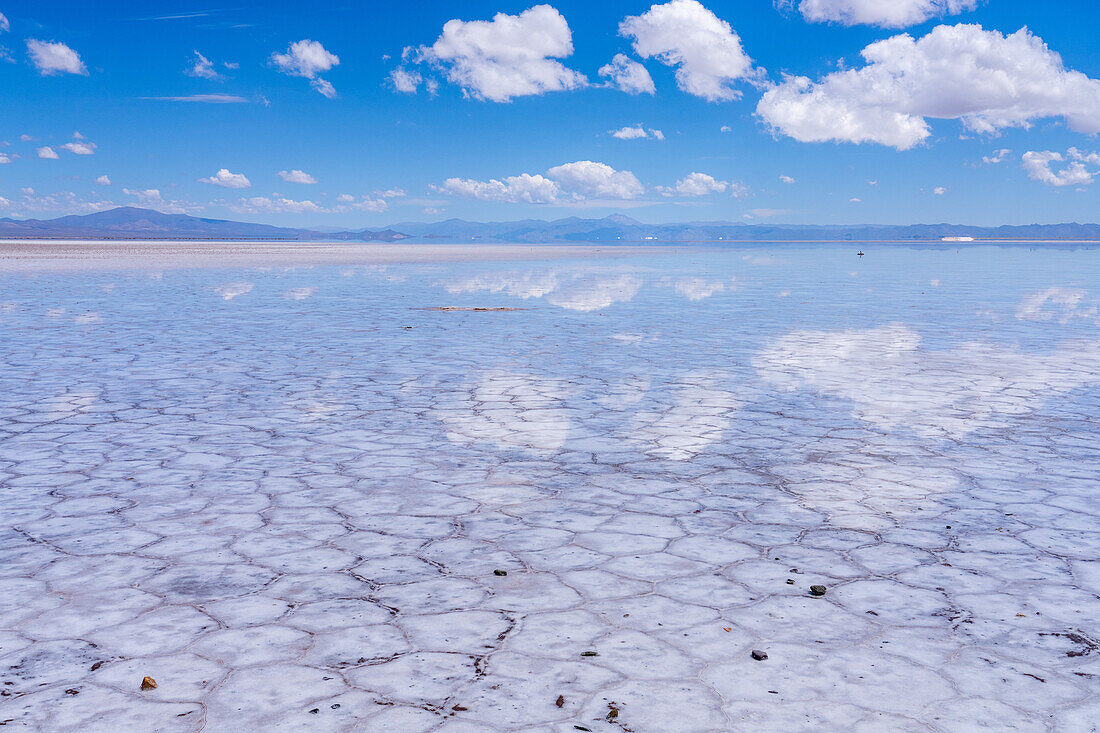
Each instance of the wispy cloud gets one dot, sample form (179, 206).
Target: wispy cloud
(203, 99)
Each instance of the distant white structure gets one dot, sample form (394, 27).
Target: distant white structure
(957, 239)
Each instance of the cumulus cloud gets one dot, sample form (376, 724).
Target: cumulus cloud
(80, 147)
(985, 79)
(308, 59)
(48, 153)
(596, 180)
(705, 49)
(998, 156)
(148, 197)
(1076, 167)
(786, 179)
(628, 75)
(699, 184)
(52, 58)
(506, 57)
(202, 68)
(225, 179)
(296, 176)
(4, 159)
(405, 81)
(882, 13)
(636, 132)
(562, 184)
(524, 188)
(277, 205)
(103, 181)
(350, 203)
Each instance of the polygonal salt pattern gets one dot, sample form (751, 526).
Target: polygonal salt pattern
(299, 499)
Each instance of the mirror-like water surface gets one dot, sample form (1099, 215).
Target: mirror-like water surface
(284, 493)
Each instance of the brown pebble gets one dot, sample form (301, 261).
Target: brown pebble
(148, 684)
(560, 702)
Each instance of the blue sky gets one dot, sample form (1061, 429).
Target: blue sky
(506, 122)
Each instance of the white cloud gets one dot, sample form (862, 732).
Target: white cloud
(596, 180)
(393, 193)
(4, 159)
(939, 190)
(855, 201)
(348, 203)
(1078, 169)
(882, 13)
(562, 184)
(509, 56)
(628, 75)
(636, 132)
(4, 203)
(52, 58)
(103, 181)
(986, 80)
(204, 99)
(786, 179)
(707, 52)
(48, 153)
(725, 128)
(700, 184)
(4, 24)
(277, 205)
(308, 59)
(998, 156)
(148, 197)
(80, 148)
(202, 68)
(26, 138)
(296, 176)
(225, 179)
(405, 81)
(524, 188)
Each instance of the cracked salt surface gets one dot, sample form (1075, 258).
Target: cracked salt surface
(285, 493)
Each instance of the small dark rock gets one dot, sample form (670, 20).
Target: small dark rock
(759, 655)
(817, 590)
(590, 654)
(460, 708)
(790, 581)
(560, 702)
(581, 727)
(72, 691)
(500, 572)
(314, 711)
(148, 684)
(335, 706)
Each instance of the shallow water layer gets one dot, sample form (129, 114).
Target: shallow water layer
(361, 497)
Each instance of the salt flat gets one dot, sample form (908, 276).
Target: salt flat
(299, 498)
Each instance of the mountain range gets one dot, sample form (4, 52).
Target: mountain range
(135, 223)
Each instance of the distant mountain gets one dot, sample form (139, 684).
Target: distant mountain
(129, 222)
(133, 223)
